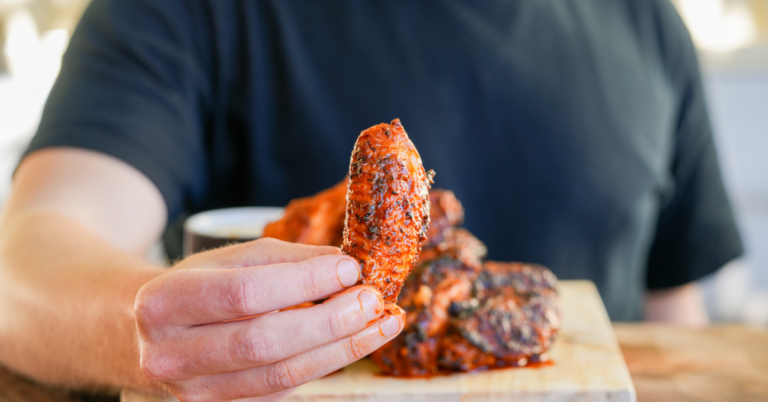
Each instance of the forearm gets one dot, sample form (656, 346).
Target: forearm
(66, 303)
(683, 305)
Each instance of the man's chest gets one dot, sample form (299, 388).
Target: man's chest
(539, 100)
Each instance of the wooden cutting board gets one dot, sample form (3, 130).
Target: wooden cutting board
(588, 366)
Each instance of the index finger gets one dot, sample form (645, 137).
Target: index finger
(204, 296)
(265, 251)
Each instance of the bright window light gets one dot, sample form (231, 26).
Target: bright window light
(718, 25)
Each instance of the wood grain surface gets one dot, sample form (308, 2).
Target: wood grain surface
(717, 364)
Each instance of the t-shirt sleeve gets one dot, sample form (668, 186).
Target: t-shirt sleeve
(696, 231)
(132, 86)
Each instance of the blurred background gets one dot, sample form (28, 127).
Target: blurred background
(731, 36)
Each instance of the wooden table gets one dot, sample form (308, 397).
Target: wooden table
(720, 363)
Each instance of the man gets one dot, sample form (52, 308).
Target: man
(574, 132)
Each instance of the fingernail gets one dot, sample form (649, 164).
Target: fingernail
(348, 272)
(390, 326)
(371, 304)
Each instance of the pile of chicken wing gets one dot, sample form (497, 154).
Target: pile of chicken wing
(463, 313)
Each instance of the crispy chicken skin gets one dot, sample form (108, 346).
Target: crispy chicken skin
(387, 212)
(513, 312)
(458, 244)
(459, 354)
(522, 277)
(460, 318)
(445, 212)
(426, 298)
(317, 220)
(428, 294)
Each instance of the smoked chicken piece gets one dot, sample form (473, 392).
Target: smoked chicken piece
(408, 355)
(427, 295)
(458, 354)
(463, 319)
(387, 213)
(522, 277)
(458, 244)
(435, 286)
(317, 220)
(445, 213)
(513, 313)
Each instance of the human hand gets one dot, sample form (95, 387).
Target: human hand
(209, 329)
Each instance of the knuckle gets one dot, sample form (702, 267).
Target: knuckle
(356, 348)
(336, 324)
(283, 376)
(241, 297)
(156, 368)
(311, 283)
(143, 313)
(268, 241)
(147, 309)
(251, 347)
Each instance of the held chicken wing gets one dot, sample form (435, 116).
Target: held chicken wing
(387, 211)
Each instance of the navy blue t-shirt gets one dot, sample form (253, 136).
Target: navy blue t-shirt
(575, 132)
